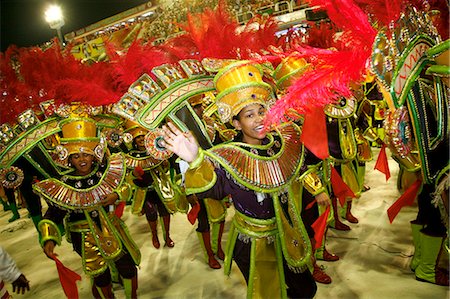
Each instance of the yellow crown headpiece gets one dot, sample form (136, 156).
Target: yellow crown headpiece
(290, 69)
(240, 84)
(80, 135)
(134, 129)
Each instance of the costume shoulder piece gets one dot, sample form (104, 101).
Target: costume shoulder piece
(264, 168)
(84, 197)
(140, 159)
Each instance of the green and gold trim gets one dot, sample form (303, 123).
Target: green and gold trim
(49, 231)
(27, 140)
(262, 173)
(146, 163)
(201, 178)
(311, 180)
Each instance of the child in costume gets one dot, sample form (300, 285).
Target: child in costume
(267, 239)
(84, 201)
(410, 60)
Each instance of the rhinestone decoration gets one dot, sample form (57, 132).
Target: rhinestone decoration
(153, 144)
(224, 111)
(284, 198)
(62, 152)
(11, 177)
(99, 151)
(254, 151)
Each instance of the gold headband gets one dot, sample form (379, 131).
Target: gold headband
(240, 84)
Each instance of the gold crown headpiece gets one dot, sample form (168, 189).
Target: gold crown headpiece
(80, 135)
(134, 129)
(240, 84)
(290, 69)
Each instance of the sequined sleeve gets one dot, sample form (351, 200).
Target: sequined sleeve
(49, 231)
(200, 176)
(313, 183)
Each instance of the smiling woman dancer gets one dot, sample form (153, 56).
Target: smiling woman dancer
(267, 239)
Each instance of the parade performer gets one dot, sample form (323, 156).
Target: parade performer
(84, 200)
(153, 192)
(406, 52)
(212, 212)
(34, 82)
(314, 201)
(417, 96)
(267, 239)
(366, 132)
(342, 149)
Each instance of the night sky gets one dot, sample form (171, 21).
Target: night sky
(23, 22)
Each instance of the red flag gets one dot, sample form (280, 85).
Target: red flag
(319, 227)
(340, 189)
(193, 213)
(314, 133)
(119, 209)
(68, 279)
(382, 162)
(407, 198)
(311, 204)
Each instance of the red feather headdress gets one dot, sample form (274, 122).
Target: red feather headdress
(333, 70)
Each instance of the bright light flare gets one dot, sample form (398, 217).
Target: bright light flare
(53, 14)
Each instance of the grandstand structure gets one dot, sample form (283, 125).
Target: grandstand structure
(155, 22)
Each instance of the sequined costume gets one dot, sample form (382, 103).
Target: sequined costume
(342, 147)
(75, 201)
(153, 192)
(267, 233)
(417, 128)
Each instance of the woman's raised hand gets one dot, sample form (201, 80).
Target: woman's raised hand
(184, 145)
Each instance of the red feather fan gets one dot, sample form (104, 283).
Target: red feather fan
(42, 75)
(332, 71)
(134, 62)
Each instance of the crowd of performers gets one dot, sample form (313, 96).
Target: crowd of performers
(258, 134)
